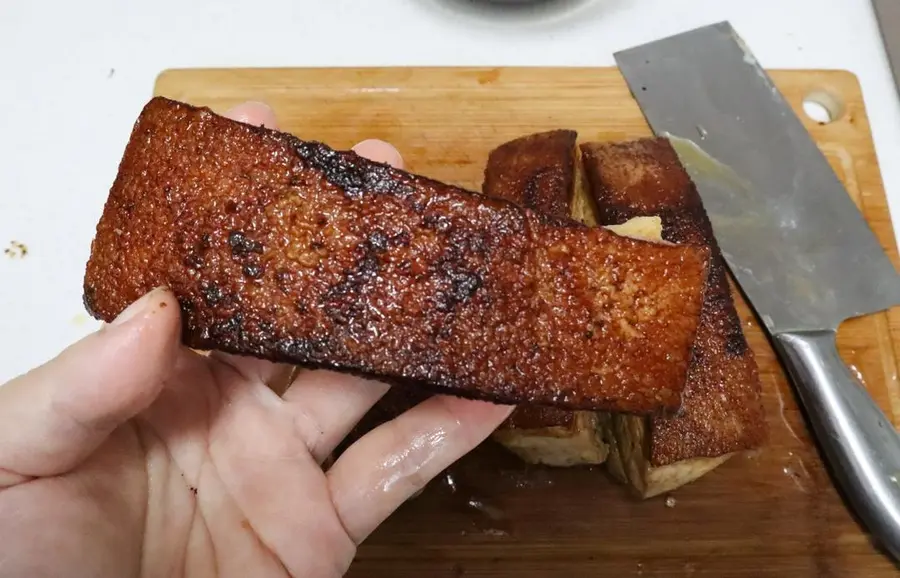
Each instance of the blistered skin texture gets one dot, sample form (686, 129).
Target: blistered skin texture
(290, 251)
(722, 410)
(538, 172)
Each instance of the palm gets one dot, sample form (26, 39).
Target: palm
(230, 469)
(216, 478)
(220, 476)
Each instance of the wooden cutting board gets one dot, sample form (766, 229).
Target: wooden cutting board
(772, 512)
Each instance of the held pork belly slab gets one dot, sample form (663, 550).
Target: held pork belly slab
(722, 409)
(287, 250)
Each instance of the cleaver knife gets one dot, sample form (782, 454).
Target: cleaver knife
(795, 242)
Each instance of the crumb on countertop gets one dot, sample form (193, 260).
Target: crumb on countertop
(16, 250)
(670, 501)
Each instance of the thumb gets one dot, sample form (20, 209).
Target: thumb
(56, 415)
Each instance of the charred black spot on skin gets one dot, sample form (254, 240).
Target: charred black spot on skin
(530, 194)
(463, 285)
(378, 241)
(284, 278)
(193, 261)
(338, 301)
(439, 223)
(418, 206)
(354, 175)
(230, 330)
(458, 285)
(455, 273)
(302, 349)
(341, 301)
(532, 198)
(266, 330)
(88, 299)
(241, 245)
(211, 292)
(253, 270)
(735, 340)
(401, 239)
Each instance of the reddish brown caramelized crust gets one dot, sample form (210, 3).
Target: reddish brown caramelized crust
(290, 251)
(538, 172)
(722, 410)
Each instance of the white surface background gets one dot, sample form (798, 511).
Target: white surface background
(74, 76)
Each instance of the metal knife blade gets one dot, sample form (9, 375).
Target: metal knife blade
(887, 12)
(797, 245)
(794, 239)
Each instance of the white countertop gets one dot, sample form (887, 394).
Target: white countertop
(75, 75)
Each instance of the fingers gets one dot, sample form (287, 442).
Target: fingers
(255, 113)
(328, 405)
(54, 416)
(258, 371)
(379, 151)
(261, 458)
(391, 463)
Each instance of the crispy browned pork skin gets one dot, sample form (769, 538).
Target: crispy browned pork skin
(287, 250)
(538, 171)
(722, 410)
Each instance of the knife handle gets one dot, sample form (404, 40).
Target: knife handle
(858, 440)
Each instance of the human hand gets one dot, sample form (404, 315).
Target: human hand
(130, 455)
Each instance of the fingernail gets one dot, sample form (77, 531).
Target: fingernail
(137, 307)
(254, 113)
(379, 151)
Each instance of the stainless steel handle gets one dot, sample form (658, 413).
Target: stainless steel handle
(859, 441)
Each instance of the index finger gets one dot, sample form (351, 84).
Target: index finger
(395, 460)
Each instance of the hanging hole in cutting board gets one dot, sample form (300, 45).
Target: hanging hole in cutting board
(822, 107)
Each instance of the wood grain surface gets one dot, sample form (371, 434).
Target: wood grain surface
(772, 512)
